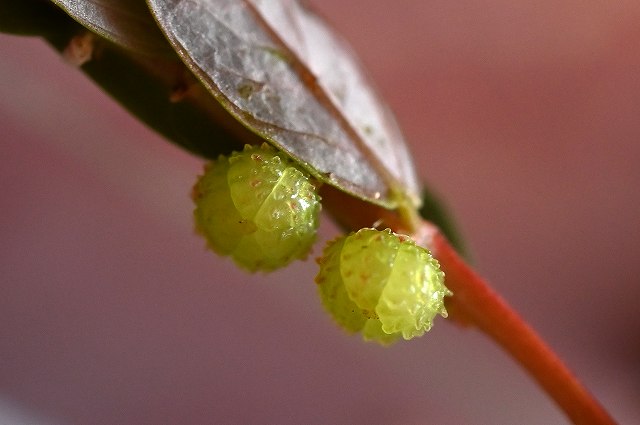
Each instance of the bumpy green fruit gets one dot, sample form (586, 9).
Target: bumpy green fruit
(381, 284)
(257, 207)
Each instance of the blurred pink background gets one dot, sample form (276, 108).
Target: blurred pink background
(524, 115)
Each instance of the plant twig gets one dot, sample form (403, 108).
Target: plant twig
(474, 303)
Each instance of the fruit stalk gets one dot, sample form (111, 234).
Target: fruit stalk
(475, 303)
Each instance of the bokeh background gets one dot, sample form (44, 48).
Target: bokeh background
(525, 116)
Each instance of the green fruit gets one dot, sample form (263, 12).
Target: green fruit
(381, 284)
(257, 207)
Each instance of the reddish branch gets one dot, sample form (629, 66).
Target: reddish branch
(475, 304)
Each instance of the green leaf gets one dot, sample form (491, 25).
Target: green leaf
(29, 17)
(126, 23)
(142, 84)
(186, 123)
(436, 211)
(279, 70)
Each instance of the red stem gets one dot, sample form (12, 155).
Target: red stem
(475, 303)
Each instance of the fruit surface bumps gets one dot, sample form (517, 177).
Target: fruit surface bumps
(257, 207)
(381, 284)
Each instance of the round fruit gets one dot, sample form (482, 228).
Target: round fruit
(381, 284)
(258, 207)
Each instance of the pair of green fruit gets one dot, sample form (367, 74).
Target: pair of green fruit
(259, 208)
